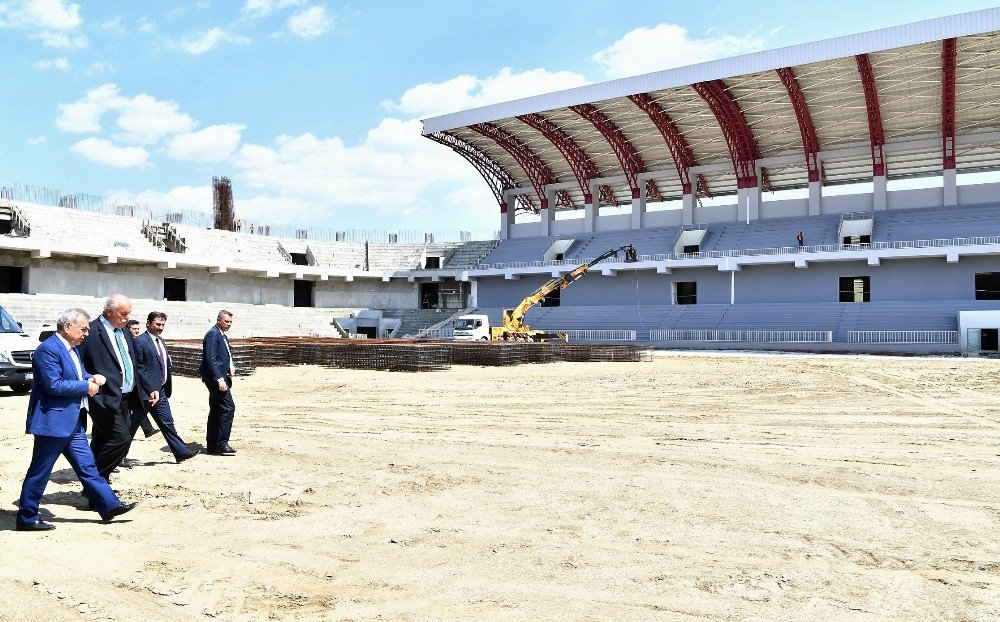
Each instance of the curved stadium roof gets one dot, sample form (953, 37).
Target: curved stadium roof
(905, 101)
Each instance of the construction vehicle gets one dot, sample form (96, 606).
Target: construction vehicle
(474, 326)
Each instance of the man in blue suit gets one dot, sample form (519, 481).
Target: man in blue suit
(109, 350)
(153, 369)
(57, 418)
(217, 373)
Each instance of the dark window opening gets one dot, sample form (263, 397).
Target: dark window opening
(687, 293)
(559, 256)
(303, 293)
(857, 240)
(552, 298)
(855, 289)
(6, 227)
(11, 280)
(299, 259)
(429, 293)
(174, 289)
(432, 263)
(692, 248)
(989, 340)
(988, 286)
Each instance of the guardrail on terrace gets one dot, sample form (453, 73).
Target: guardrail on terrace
(752, 252)
(745, 336)
(599, 335)
(949, 337)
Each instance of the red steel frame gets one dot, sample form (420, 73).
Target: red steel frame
(626, 153)
(810, 143)
(680, 151)
(875, 134)
(949, 53)
(538, 172)
(581, 164)
(742, 145)
(495, 175)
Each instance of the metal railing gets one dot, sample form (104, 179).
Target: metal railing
(746, 336)
(751, 252)
(869, 215)
(949, 337)
(599, 335)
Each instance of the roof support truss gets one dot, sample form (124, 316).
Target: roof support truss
(626, 153)
(810, 143)
(742, 145)
(581, 164)
(679, 149)
(949, 52)
(875, 134)
(538, 172)
(496, 177)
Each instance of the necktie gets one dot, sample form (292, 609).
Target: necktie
(232, 363)
(126, 359)
(163, 357)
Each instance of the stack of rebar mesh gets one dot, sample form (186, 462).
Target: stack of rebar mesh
(398, 354)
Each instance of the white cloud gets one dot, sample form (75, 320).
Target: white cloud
(310, 23)
(146, 26)
(99, 68)
(388, 171)
(60, 40)
(61, 64)
(195, 198)
(215, 143)
(143, 119)
(37, 140)
(645, 50)
(466, 91)
(200, 43)
(260, 8)
(51, 15)
(113, 24)
(105, 152)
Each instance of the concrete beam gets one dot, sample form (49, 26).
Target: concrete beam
(952, 257)
(801, 263)
(664, 270)
(874, 261)
(217, 270)
(510, 276)
(107, 259)
(167, 265)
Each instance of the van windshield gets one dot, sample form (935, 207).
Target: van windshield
(466, 324)
(7, 323)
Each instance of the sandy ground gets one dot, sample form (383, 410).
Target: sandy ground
(687, 488)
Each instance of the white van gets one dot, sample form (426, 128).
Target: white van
(16, 350)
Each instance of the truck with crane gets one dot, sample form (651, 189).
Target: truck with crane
(477, 326)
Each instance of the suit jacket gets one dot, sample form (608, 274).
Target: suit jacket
(215, 359)
(98, 354)
(54, 405)
(149, 368)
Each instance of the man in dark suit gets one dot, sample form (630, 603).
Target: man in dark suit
(109, 350)
(154, 370)
(144, 422)
(217, 373)
(57, 418)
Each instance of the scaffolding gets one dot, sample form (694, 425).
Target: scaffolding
(222, 209)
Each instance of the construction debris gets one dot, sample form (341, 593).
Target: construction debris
(399, 354)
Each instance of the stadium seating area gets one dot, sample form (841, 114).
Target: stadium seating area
(62, 229)
(936, 223)
(227, 247)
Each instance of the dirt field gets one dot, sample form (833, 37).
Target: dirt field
(693, 487)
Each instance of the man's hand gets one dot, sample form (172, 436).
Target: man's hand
(92, 387)
(222, 386)
(154, 397)
(99, 379)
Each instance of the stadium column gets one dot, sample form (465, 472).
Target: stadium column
(639, 206)
(879, 196)
(547, 212)
(749, 203)
(815, 197)
(687, 209)
(950, 186)
(507, 209)
(590, 209)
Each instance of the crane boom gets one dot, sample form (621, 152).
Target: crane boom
(513, 319)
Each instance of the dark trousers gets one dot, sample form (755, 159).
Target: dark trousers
(221, 411)
(44, 455)
(165, 419)
(146, 425)
(112, 435)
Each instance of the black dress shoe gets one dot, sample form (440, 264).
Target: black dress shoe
(118, 511)
(155, 431)
(36, 526)
(191, 454)
(225, 449)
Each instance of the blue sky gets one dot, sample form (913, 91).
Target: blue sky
(312, 107)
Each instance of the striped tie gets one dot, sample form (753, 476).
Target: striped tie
(126, 359)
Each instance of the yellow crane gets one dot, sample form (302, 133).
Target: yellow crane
(513, 319)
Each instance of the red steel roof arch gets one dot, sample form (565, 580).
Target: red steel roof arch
(743, 149)
(582, 165)
(538, 171)
(875, 133)
(496, 177)
(680, 151)
(810, 143)
(631, 162)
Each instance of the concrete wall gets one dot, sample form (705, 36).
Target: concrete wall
(369, 293)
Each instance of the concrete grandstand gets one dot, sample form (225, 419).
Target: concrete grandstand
(711, 171)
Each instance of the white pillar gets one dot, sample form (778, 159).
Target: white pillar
(753, 194)
(732, 287)
(687, 209)
(507, 216)
(815, 198)
(590, 209)
(879, 198)
(950, 186)
(548, 213)
(639, 207)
